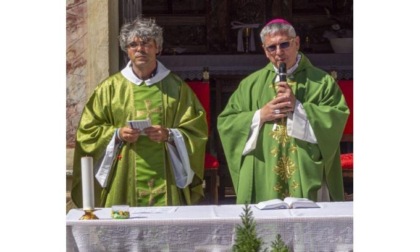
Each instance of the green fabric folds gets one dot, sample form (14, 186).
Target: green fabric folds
(142, 170)
(281, 165)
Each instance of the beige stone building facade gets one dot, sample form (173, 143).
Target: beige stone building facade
(91, 56)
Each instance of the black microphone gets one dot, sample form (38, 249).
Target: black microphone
(282, 78)
(282, 71)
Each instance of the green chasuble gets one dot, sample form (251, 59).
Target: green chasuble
(141, 174)
(281, 165)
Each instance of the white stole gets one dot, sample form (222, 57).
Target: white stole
(107, 160)
(180, 161)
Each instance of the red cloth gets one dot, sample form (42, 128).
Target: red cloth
(347, 89)
(210, 162)
(202, 91)
(347, 161)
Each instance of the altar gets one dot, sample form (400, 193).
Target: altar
(211, 228)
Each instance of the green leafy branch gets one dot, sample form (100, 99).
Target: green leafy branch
(247, 239)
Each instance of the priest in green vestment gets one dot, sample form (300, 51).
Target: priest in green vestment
(159, 163)
(282, 137)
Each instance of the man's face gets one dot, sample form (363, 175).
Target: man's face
(281, 48)
(142, 52)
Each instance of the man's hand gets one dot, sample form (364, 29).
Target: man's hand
(129, 135)
(157, 133)
(281, 105)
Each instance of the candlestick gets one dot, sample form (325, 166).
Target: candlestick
(89, 215)
(246, 35)
(87, 184)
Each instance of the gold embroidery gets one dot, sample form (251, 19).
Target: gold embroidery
(294, 185)
(148, 111)
(152, 192)
(285, 168)
(274, 152)
(277, 187)
(293, 149)
(280, 134)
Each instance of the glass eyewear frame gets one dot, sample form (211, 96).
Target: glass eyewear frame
(144, 44)
(283, 45)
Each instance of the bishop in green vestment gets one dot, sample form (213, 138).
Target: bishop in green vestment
(283, 139)
(135, 167)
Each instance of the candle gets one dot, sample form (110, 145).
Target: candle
(87, 184)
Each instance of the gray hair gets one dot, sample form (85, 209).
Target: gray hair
(144, 28)
(275, 28)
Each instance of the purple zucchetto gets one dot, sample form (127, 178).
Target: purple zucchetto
(279, 21)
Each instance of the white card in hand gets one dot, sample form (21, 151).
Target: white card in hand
(139, 124)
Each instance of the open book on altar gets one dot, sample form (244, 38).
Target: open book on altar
(288, 202)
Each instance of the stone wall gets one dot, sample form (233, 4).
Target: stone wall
(91, 56)
(76, 65)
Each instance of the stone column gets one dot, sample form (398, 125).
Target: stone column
(91, 56)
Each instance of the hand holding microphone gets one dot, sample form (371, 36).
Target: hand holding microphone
(285, 95)
(282, 78)
(285, 99)
(284, 102)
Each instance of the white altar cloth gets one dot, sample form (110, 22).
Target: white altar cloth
(211, 228)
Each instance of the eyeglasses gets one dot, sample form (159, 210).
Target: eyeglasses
(145, 44)
(282, 45)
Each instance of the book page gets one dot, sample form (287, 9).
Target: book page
(272, 204)
(300, 203)
(152, 210)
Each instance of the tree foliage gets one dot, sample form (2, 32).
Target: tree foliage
(247, 239)
(278, 245)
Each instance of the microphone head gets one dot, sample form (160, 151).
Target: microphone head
(282, 67)
(282, 71)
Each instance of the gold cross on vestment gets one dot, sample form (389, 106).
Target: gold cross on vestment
(280, 133)
(148, 111)
(152, 192)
